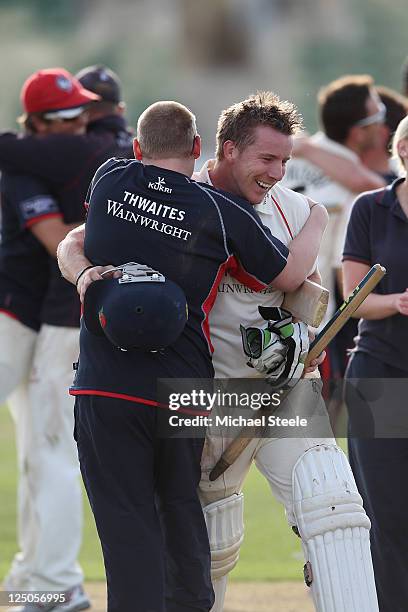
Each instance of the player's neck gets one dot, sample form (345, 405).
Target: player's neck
(175, 164)
(351, 144)
(220, 176)
(377, 159)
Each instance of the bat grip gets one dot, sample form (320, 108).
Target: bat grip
(346, 310)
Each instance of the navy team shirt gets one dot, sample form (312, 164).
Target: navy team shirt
(25, 201)
(67, 163)
(378, 233)
(192, 234)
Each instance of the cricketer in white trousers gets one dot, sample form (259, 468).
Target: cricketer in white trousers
(310, 476)
(35, 373)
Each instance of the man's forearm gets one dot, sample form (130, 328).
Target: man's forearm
(354, 176)
(304, 248)
(376, 307)
(315, 277)
(303, 251)
(41, 155)
(75, 267)
(70, 253)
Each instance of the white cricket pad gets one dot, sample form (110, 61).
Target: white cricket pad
(225, 526)
(335, 532)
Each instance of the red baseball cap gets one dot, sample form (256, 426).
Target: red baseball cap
(54, 89)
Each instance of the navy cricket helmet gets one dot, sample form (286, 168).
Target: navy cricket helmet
(141, 310)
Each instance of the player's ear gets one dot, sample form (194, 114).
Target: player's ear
(137, 150)
(230, 150)
(197, 146)
(121, 108)
(357, 134)
(402, 148)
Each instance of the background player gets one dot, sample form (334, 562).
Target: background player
(65, 157)
(378, 231)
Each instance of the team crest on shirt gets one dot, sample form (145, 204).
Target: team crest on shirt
(63, 83)
(160, 185)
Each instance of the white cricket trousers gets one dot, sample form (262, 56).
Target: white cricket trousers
(16, 354)
(49, 493)
(275, 458)
(17, 343)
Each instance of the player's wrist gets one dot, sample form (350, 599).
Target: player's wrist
(81, 273)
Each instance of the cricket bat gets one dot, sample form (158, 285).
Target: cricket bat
(332, 327)
(308, 303)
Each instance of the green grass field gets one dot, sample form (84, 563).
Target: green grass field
(270, 551)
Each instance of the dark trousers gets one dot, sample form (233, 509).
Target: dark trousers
(143, 492)
(380, 467)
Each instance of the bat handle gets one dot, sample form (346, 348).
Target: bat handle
(219, 469)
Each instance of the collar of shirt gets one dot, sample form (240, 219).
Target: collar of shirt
(203, 176)
(390, 200)
(157, 172)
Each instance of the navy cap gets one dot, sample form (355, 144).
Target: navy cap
(102, 81)
(136, 315)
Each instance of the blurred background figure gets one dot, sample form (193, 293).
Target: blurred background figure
(351, 116)
(63, 160)
(34, 221)
(378, 232)
(107, 114)
(374, 168)
(378, 158)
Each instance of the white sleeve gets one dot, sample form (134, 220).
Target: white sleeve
(297, 211)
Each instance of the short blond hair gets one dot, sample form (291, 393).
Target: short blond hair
(238, 122)
(166, 129)
(401, 133)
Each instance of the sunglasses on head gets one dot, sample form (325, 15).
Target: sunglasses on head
(378, 117)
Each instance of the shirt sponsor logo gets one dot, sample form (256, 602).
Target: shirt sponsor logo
(155, 208)
(160, 185)
(239, 288)
(38, 206)
(117, 210)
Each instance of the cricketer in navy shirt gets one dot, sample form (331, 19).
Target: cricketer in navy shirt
(24, 274)
(191, 233)
(64, 165)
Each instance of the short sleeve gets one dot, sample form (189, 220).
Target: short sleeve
(357, 244)
(33, 201)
